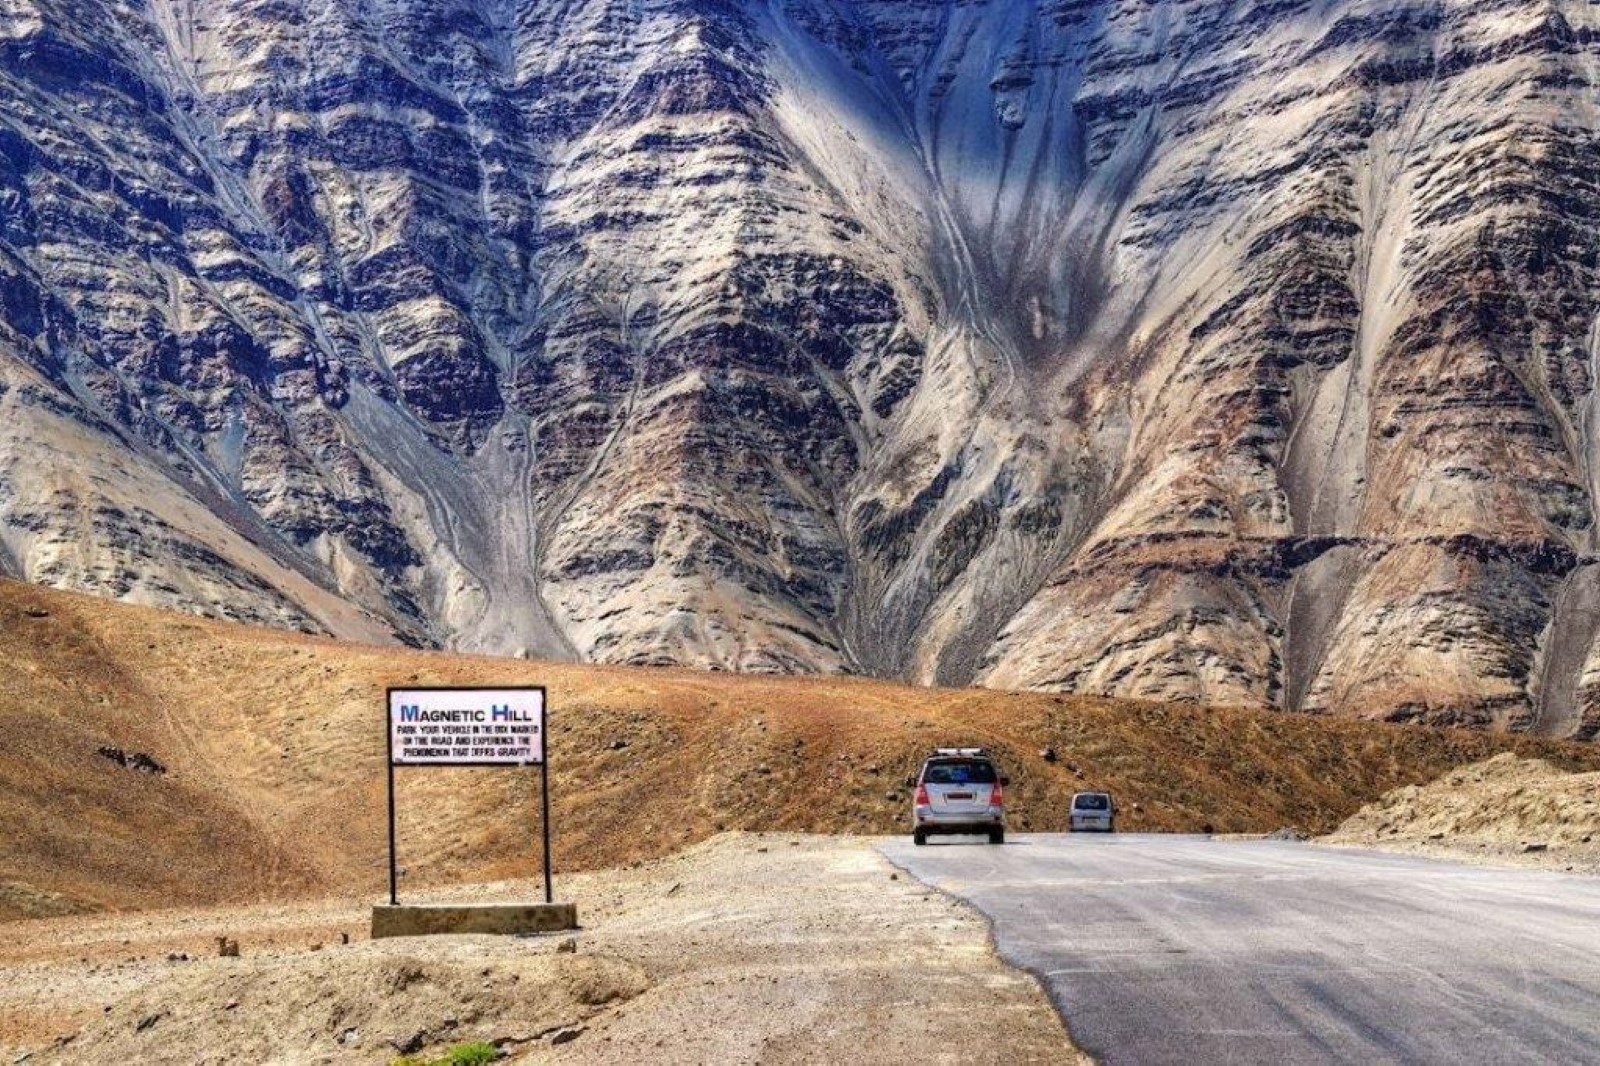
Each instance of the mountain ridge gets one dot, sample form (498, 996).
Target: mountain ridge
(1234, 353)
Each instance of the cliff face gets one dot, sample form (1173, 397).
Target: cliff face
(1236, 352)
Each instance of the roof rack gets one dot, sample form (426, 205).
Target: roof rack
(961, 751)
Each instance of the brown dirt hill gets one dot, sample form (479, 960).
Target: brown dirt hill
(273, 749)
(1505, 809)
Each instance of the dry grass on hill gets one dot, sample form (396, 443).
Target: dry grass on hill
(273, 745)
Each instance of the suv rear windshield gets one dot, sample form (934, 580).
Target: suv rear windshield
(1095, 801)
(959, 772)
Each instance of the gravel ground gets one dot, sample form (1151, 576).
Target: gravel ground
(747, 948)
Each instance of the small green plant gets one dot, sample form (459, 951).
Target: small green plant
(477, 1053)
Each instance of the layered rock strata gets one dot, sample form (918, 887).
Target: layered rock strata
(1242, 353)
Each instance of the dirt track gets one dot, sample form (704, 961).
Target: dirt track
(748, 948)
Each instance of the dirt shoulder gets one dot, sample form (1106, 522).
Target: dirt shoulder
(746, 948)
(1504, 811)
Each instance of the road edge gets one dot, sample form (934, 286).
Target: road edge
(991, 939)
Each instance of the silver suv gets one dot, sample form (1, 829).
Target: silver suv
(959, 790)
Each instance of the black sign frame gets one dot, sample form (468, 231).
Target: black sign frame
(543, 764)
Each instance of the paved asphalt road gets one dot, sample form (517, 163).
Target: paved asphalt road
(1174, 949)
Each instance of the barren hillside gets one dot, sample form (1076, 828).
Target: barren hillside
(1506, 809)
(272, 745)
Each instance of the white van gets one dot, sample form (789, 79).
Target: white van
(1092, 812)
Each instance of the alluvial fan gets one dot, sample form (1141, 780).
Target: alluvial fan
(1242, 353)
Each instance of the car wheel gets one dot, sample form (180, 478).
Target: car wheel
(919, 838)
(997, 836)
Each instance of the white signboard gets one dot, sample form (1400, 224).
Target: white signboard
(466, 726)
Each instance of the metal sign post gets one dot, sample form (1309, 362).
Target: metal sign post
(468, 727)
(394, 876)
(544, 793)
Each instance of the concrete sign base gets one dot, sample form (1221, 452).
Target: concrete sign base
(432, 919)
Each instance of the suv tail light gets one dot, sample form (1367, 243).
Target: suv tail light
(922, 796)
(997, 795)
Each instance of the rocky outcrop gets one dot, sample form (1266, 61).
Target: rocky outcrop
(1237, 353)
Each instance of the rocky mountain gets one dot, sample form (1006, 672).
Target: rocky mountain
(1242, 352)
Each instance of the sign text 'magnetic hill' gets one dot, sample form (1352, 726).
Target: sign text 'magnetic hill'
(466, 727)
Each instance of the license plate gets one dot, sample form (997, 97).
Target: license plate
(958, 795)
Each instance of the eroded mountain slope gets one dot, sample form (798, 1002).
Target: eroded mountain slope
(1240, 352)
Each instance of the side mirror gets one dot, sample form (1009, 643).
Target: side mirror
(1004, 780)
(911, 782)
